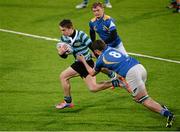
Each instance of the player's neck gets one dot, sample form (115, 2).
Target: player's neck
(73, 33)
(98, 18)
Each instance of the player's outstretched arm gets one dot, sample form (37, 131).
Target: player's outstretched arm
(90, 70)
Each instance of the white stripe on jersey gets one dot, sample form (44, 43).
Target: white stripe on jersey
(80, 44)
(112, 24)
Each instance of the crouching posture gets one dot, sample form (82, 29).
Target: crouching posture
(133, 72)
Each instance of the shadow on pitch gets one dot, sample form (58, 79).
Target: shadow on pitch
(76, 109)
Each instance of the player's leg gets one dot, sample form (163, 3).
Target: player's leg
(82, 5)
(136, 78)
(107, 4)
(89, 80)
(94, 86)
(121, 48)
(142, 97)
(64, 79)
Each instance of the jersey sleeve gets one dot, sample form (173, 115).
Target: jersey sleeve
(91, 26)
(111, 24)
(85, 39)
(92, 31)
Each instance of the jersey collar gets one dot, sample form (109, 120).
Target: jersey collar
(101, 18)
(73, 39)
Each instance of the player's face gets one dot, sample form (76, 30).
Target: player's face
(98, 12)
(66, 31)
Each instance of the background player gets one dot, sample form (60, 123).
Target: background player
(84, 4)
(134, 73)
(105, 27)
(175, 4)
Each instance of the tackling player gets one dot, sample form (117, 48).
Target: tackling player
(134, 73)
(105, 27)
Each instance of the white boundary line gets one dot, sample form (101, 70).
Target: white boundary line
(54, 39)
(28, 35)
(153, 57)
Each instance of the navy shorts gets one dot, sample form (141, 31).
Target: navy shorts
(81, 69)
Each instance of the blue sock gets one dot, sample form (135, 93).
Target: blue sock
(68, 99)
(165, 112)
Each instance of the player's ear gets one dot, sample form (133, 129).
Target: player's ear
(97, 52)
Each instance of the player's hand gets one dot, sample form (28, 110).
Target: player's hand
(119, 82)
(62, 49)
(115, 82)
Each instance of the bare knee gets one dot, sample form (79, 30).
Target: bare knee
(140, 96)
(141, 99)
(62, 76)
(93, 88)
(91, 83)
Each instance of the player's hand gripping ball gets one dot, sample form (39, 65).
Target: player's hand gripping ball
(65, 48)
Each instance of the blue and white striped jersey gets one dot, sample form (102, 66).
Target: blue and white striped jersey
(79, 44)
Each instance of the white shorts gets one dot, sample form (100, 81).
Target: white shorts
(121, 48)
(136, 78)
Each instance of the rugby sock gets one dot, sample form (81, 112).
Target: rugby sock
(165, 112)
(68, 99)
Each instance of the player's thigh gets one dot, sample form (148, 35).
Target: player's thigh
(81, 69)
(68, 73)
(141, 94)
(121, 48)
(136, 78)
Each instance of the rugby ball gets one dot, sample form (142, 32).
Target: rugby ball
(70, 49)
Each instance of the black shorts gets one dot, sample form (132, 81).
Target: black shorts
(81, 69)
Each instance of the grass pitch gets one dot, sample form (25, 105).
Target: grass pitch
(29, 68)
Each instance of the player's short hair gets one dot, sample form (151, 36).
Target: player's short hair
(96, 4)
(66, 23)
(99, 45)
